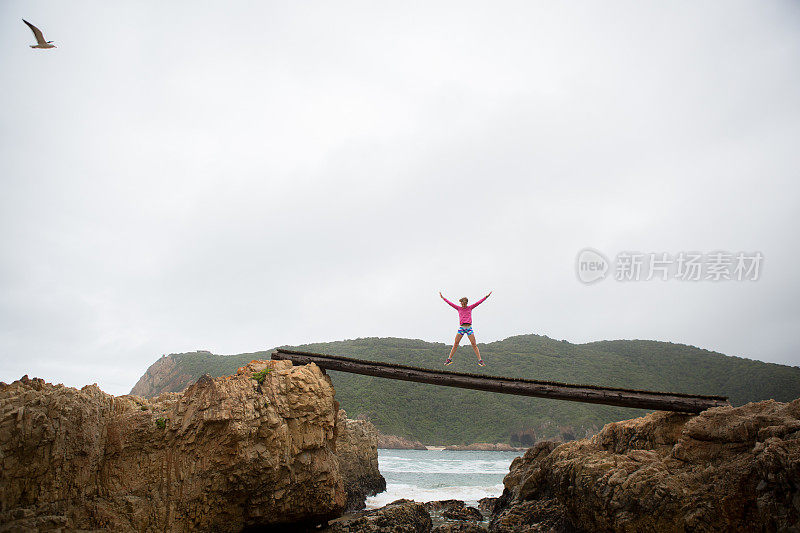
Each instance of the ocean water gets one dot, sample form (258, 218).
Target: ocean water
(429, 475)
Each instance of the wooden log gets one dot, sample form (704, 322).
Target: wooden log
(663, 401)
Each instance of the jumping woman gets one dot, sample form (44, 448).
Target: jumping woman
(465, 326)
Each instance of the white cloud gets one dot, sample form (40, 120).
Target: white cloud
(233, 178)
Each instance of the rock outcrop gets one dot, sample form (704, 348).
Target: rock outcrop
(458, 527)
(726, 469)
(486, 506)
(225, 454)
(357, 450)
(392, 442)
(453, 510)
(165, 375)
(408, 516)
(483, 447)
(402, 516)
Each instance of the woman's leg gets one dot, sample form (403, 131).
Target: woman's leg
(475, 346)
(455, 345)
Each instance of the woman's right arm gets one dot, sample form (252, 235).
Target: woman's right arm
(448, 301)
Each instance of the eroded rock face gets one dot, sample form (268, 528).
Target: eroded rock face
(544, 515)
(163, 375)
(224, 454)
(727, 469)
(357, 449)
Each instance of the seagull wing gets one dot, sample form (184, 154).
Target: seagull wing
(36, 32)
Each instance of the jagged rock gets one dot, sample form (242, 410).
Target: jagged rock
(454, 510)
(440, 505)
(403, 516)
(545, 515)
(357, 450)
(453, 515)
(525, 473)
(459, 527)
(392, 442)
(225, 454)
(462, 512)
(486, 506)
(726, 469)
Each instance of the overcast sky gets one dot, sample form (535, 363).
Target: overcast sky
(232, 176)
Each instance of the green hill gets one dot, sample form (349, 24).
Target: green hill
(445, 415)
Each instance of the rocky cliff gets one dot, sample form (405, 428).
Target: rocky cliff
(727, 469)
(225, 454)
(483, 447)
(393, 442)
(165, 375)
(357, 450)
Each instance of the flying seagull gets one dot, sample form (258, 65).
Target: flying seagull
(40, 42)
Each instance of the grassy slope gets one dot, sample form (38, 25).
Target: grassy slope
(444, 415)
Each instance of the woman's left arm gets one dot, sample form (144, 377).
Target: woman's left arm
(476, 304)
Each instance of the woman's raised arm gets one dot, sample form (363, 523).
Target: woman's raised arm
(454, 306)
(476, 304)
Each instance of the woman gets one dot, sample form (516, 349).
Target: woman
(465, 326)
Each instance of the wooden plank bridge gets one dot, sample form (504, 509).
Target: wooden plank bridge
(662, 401)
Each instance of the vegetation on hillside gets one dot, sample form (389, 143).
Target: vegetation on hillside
(444, 415)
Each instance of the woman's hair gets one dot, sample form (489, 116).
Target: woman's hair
(463, 300)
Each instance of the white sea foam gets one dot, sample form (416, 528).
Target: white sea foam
(443, 466)
(468, 493)
(431, 475)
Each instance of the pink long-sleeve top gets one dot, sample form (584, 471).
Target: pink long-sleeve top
(465, 313)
